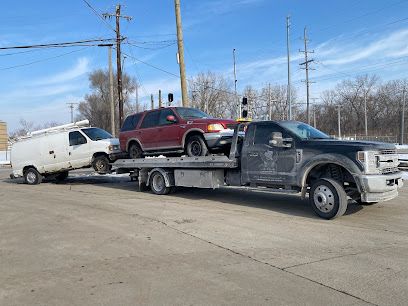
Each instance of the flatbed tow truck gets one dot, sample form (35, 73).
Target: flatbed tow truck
(282, 156)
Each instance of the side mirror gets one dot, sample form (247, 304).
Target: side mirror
(171, 118)
(279, 142)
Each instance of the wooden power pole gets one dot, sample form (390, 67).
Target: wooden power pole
(119, 39)
(184, 95)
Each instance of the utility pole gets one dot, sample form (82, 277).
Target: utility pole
(269, 102)
(151, 102)
(235, 85)
(160, 99)
(72, 107)
(180, 44)
(338, 120)
(306, 64)
(112, 100)
(314, 111)
(288, 94)
(137, 98)
(119, 39)
(403, 116)
(365, 114)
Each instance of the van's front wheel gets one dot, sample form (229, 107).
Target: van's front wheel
(101, 164)
(328, 198)
(32, 176)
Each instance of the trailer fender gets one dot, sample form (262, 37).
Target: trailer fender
(167, 174)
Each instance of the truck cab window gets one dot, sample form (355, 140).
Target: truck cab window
(76, 138)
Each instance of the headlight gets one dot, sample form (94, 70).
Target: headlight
(113, 148)
(215, 127)
(369, 160)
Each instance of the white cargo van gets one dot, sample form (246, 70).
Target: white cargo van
(55, 151)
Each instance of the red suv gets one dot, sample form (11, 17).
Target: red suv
(174, 130)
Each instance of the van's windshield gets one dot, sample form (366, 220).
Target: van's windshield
(96, 134)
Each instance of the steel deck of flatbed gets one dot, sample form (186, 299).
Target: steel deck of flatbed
(219, 162)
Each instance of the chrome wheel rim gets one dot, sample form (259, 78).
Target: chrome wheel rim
(31, 177)
(324, 199)
(158, 182)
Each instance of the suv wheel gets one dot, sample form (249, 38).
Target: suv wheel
(135, 151)
(32, 176)
(101, 164)
(196, 146)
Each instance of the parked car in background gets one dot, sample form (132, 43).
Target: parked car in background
(55, 151)
(175, 130)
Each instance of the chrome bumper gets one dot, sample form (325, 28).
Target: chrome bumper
(379, 188)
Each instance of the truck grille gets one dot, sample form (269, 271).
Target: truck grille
(389, 170)
(388, 152)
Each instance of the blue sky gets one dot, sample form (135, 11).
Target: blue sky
(350, 37)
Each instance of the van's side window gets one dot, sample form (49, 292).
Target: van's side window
(76, 138)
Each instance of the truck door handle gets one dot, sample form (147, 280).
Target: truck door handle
(51, 152)
(253, 154)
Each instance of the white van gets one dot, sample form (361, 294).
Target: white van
(55, 151)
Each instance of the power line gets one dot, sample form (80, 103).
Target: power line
(363, 15)
(42, 60)
(99, 15)
(62, 44)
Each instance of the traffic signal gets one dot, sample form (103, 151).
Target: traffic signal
(244, 113)
(244, 101)
(244, 107)
(170, 97)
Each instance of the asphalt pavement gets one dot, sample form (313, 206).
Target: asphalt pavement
(96, 240)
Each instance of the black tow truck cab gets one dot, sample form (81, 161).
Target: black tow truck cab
(283, 156)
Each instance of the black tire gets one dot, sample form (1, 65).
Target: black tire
(158, 184)
(196, 146)
(61, 176)
(32, 176)
(135, 151)
(101, 164)
(328, 198)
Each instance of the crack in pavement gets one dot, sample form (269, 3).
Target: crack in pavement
(254, 259)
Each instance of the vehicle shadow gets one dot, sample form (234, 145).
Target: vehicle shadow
(288, 204)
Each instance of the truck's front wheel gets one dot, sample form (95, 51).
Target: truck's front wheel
(328, 198)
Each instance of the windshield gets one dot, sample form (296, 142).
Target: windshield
(191, 113)
(96, 134)
(303, 130)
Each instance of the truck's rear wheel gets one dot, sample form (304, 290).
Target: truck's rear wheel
(158, 183)
(328, 198)
(32, 176)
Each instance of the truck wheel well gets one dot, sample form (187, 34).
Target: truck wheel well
(28, 167)
(330, 170)
(97, 154)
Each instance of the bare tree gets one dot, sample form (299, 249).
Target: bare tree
(96, 106)
(213, 94)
